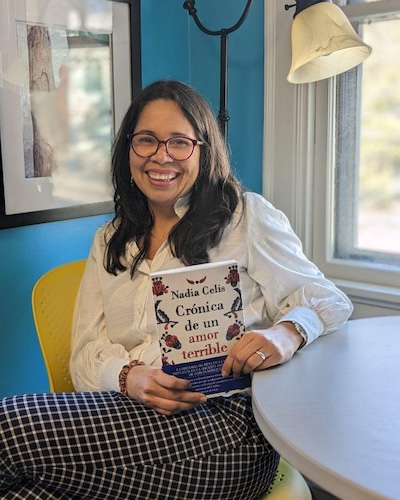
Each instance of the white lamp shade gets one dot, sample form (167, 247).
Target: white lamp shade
(324, 44)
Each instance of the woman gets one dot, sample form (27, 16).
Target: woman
(134, 431)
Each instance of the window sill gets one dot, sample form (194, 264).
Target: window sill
(374, 295)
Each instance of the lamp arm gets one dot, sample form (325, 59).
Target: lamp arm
(223, 115)
(241, 19)
(303, 4)
(189, 5)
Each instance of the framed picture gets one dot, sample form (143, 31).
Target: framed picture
(68, 72)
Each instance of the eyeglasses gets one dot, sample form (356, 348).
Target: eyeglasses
(178, 148)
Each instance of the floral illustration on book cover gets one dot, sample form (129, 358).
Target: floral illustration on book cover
(199, 314)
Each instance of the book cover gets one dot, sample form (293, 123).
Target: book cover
(199, 315)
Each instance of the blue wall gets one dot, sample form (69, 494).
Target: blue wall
(172, 47)
(25, 254)
(245, 78)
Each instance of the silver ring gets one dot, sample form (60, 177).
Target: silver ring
(261, 354)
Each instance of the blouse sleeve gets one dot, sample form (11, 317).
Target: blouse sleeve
(294, 289)
(95, 361)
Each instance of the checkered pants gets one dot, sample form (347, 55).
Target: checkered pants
(103, 445)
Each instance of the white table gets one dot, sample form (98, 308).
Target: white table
(333, 411)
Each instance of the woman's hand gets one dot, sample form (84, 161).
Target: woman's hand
(277, 344)
(164, 393)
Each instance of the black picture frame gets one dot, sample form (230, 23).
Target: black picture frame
(10, 219)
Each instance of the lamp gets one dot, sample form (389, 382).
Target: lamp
(223, 115)
(324, 43)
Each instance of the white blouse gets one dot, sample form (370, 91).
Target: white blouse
(114, 318)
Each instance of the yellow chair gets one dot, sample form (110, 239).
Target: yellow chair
(53, 300)
(288, 484)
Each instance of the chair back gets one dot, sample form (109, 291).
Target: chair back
(53, 301)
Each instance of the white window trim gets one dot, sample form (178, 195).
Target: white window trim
(288, 128)
(297, 175)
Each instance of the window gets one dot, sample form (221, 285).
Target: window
(332, 155)
(367, 150)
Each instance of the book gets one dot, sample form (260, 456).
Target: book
(199, 316)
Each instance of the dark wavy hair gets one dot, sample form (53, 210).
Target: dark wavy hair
(213, 199)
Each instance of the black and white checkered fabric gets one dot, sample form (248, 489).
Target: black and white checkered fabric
(103, 445)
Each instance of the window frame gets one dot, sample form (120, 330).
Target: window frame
(298, 171)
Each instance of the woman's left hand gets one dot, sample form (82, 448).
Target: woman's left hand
(277, 344)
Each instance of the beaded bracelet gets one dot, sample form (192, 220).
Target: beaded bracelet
(124, 373)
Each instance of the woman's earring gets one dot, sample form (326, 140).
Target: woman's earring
(132, 182)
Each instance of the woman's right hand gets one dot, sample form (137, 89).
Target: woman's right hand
(165, 393)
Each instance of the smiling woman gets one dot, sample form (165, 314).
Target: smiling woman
(163, 178)
(164, 439)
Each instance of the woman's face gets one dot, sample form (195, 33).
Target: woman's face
(162, 179)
